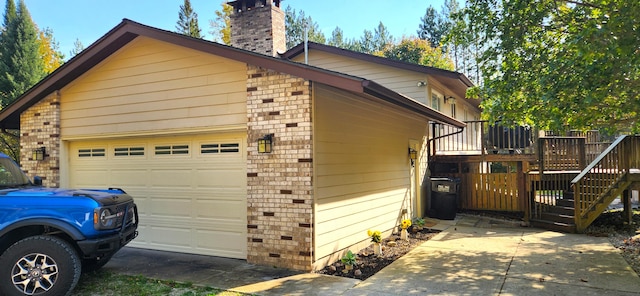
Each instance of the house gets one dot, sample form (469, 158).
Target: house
(176, 122)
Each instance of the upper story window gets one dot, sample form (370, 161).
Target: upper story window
(436, 98)
(453, 110)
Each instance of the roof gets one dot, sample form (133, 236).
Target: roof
(128, 30)
(455, 81)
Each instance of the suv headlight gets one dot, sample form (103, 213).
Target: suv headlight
(103, 219)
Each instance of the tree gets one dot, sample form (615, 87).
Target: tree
(49, 51)
(187, 23)
(295, 23)
(78, 47)
(433, 27)
(558, 64)
(221, 25)
(337, 38)
(21, 64)
(418, 51)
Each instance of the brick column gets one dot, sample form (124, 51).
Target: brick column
(40, 127)
(280, 189)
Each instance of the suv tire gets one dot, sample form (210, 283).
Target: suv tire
(39, 265)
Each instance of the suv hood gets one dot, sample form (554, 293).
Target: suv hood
(103, 197)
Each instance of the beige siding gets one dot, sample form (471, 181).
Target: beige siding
(150, 86)
(362, 171)
(399, 80)
(402, 81)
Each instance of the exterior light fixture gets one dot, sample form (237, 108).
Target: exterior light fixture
(265, 144)
(422, 83)
(39, 153)
(413, 154)
(450, 100)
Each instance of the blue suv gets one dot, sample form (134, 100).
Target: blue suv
(49, 235)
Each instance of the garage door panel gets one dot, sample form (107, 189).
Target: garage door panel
(86, 178)
(221, 210)
(177, 178)
(129, 177)
(220, 177)
(193, 202)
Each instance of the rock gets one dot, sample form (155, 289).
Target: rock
(357, 272)
(392, 244)
(332, 268)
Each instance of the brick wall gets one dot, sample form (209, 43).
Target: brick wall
(260, 29)
(280, 189)
(40, 127)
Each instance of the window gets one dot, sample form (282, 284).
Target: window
(172, 150)
(435, 100)
(129, 151)
(453, 110)
(91, 152)
(219, 148)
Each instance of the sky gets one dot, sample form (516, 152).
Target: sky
(88, 20)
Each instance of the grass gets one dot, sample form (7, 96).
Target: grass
(104, 283)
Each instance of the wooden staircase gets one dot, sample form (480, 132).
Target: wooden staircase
(608, 177)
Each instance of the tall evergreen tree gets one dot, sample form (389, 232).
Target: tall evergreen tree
(188, 21)
(295, 23)
(21, 65)
(432, 27)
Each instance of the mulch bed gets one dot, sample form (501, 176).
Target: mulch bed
(369, 263)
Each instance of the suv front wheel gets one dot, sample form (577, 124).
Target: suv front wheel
(39, 265)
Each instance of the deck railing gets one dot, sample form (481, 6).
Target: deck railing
(480, 137)
(602, 175)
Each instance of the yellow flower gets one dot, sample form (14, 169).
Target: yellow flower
(375, 235)
(406, 223)
(369, 233)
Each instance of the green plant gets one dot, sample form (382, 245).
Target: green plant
(375, 235)
(349, 258)
(418, 222)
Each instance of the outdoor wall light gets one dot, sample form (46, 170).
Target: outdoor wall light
(450, 100)
(422, 83)
(38, 153)
(413, 154)
(265, 144)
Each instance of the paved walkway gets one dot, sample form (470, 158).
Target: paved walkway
(471, 256)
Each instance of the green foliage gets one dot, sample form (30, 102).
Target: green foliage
(418, 51)
(77, 48)
(295, 23)
(187, 23)
(337, 38)
(349, 258)
(433, 27)
(558, 64)
(21, 64)
(221, 25)
(107, 283)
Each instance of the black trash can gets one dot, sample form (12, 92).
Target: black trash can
(444, 198)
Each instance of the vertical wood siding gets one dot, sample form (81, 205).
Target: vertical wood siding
(152, 86)
(362, 175)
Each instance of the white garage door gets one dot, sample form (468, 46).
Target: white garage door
(190, 190)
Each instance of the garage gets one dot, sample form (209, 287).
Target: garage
(190, 190)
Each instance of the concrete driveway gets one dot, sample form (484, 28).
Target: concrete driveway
(471, 256)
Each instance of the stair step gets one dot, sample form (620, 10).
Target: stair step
(569, 211)
(565, 202)
(554, 226)
(568, 195)
(555, 217)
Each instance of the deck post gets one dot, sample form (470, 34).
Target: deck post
(627, 213)
(522, 191)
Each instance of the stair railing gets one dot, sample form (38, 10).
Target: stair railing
(597, 180)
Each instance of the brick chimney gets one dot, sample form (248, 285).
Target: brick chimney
(258, 26)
